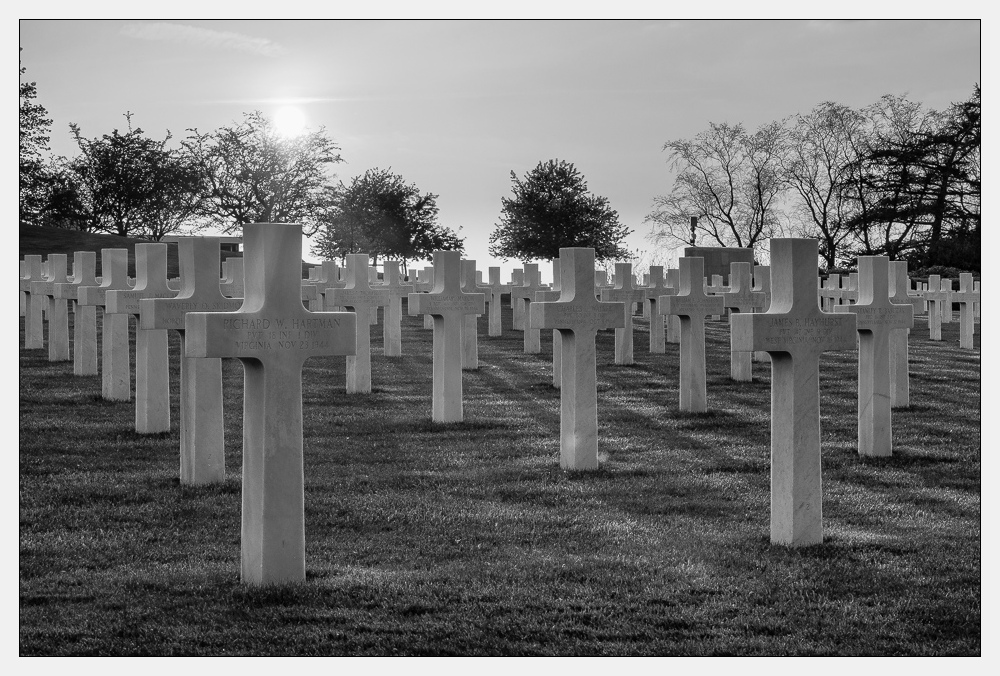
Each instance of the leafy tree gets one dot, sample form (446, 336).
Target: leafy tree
(382, 215)
(252, 174)
(552, 208)
(33, 140)
(730, 180)
(132, 185)
(924, 173)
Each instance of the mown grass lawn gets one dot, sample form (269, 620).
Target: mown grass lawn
(467, 539)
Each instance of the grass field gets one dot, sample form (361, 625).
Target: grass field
(467, 539)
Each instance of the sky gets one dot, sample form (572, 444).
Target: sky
(455, 106)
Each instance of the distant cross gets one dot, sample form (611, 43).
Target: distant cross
(202, 443)
(692, 305)
(517, 306)
(33, 320)
(657, 286)
(470, 327)
(578, 316)
(741, 298)
(84, 316)
(899, 357)
(494, 298)
(936, 297)
(624, 291)
(795, 332)
(359, 297)
(424, 284)
(947, 310)
(116, 371)
(152, 360)
(673, 322)
(448, 305)
(523, 295)
(58, 308)
(272, 334)
(232, 282)
(966, 296)
(548, 296)
(392, 323)
(762, 283)
(877, 317)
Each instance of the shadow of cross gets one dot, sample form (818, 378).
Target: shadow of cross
(795, 332)
(740, 298)
(692, 305)
(116, 376)
(578, 316)
(448, 305)
(57, 307)
(202, 444)
(624, 291)
(152, 361)
(84, 316)
(272, 334)
(877, 317)
(361, 298)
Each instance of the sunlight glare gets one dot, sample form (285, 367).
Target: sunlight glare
(290, 121)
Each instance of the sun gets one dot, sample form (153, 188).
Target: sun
(289, 121)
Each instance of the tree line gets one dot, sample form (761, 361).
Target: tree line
(890, 179)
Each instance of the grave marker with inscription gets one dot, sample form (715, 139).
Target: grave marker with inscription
(272, 334)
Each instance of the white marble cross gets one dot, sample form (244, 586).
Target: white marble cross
(116, 371)
(202, 443)
(522, 296)
(272, 334)
(741, 298)
(795, 332)
(657, 286)
(494, 299)
(877, 317)
(937, 297)
(692, 305)
(33, 321)
(360, 297)
(152, 360)
(899, 348)
(448, 305)
(470, 328)
(58, 338)
(578, 316)
(84, 316)
(624, 291)
(966, 296)
(392, 324)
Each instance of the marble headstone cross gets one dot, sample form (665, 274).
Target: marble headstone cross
(116, 372)
(966, 296)
(272, 334)
(523, 295)
(936, 297)
(624, 291)
(359, 297)
(470, 328)
(578, 316)
(152, 360)
(899, 348)
(58, 308)
(33, 321)
(448, 305)
(692, 305)
(202, 443)
(494, 298)
(84, 316)
(393, 314)
(877, 317)
(658, 286)
(741, 298)
(795, 332)
(553, 294)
